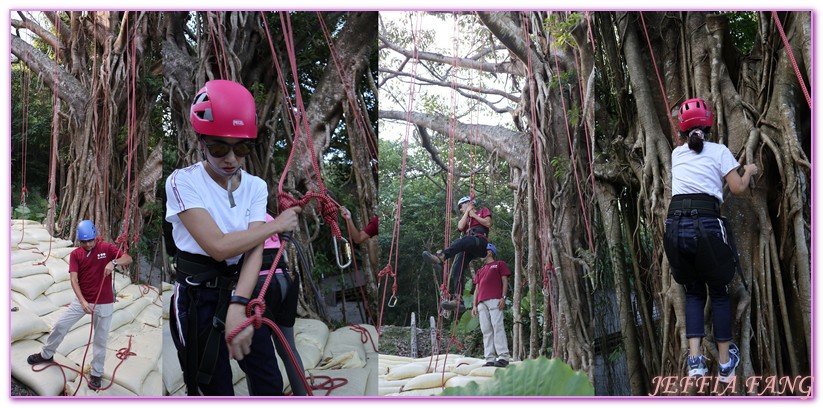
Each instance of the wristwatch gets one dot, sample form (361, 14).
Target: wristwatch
(114, 262)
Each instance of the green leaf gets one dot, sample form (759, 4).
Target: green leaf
(540, 377)
(467, 323)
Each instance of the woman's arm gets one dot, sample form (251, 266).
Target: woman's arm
(241, 344)
(220, 245)
(739, 184)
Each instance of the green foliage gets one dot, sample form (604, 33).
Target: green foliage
(467, 323)
(574, 113)
(743, 29)
(561, 29)
(539, 377)
(34, 209)
(561, 166)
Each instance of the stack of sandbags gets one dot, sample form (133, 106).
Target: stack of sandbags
(41, 292)
(349, 354)
(404, 376)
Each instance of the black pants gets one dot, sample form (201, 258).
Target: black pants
(464, 250)
(262, 373)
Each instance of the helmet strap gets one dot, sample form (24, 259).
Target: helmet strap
(231, 195)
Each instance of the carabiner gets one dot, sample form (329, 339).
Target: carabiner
(392, 301)
(347, 252)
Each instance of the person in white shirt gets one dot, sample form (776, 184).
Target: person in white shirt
(218, 212)
(697, 239)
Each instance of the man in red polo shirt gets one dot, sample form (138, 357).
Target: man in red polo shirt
(357, 235)
(492, 282)
(90, 268)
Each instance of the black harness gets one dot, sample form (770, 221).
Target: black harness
(200, 271)
(717, 260)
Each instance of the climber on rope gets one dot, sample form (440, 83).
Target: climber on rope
(90, 269)
(475, 225)
(698, 240)
(218, 212)
(491, 284)
(358, 235)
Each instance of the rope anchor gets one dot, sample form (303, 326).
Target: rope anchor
(346, 252)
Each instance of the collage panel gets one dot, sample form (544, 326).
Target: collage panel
(258, 126)
(629, 170)
(86, 270)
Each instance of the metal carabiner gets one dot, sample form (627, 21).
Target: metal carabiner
(392, 301)
(347, 252)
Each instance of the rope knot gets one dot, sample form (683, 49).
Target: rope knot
(385, 271)
(255, 310)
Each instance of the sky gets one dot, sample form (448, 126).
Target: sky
(5, 148)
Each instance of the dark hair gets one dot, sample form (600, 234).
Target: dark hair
(694, 140)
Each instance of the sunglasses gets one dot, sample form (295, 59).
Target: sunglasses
(220, 149)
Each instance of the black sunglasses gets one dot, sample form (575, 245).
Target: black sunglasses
(220, 149)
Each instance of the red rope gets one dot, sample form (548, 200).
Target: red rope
(791, 58)
(365, 335)
(659, 80)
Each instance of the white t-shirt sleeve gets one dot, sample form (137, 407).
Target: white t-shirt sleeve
(257, 210)
(727, 161)
(181, 193)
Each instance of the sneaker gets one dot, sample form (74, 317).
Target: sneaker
(726, 375)
(449, 304)
(697, 366)
(436, 259)
(95, 382)
(501, 363)
(489, 364)
(38, 358)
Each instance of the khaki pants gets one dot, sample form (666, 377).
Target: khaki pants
(102, 322)
(495, 345)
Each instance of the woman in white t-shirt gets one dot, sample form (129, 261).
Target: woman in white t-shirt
(218, 212)
(697, 238)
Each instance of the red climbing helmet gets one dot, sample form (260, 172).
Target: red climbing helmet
(226, 109)
(694, 113)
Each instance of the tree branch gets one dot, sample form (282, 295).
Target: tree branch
(512, 146)
(495, 68)
(38, 30)
(470, 88)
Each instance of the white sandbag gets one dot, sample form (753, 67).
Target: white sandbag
(19, 256)
(38, 233)
(406, 371)
(382, 369)
(349, 359)
(418, 393)
(27, 224)
(311, 331)
(390, 359)
(356, 377)
(24, 324)
(310, 355)
(77, 338)
(381, 391)
(144, 341)
(48, 382)
(49, 247)
(22, 239)
(466, 369)
(121, 317)
(39, 305)
(469, 361)
(63, 298)
(153, 385)
(172, 373)
(32, 286)
(28, 268)
(122, 302)
(130, 375)
(353, 335)
(138, 291)
(61, 253)
(166, 302)
(483, 371)
(425, 381)
(165, 286)
(58, 269)
(59, 287)
(121, 281)
(150, 316)
(451, 358)
(372, 363)
(462, 380)
(111, 389)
